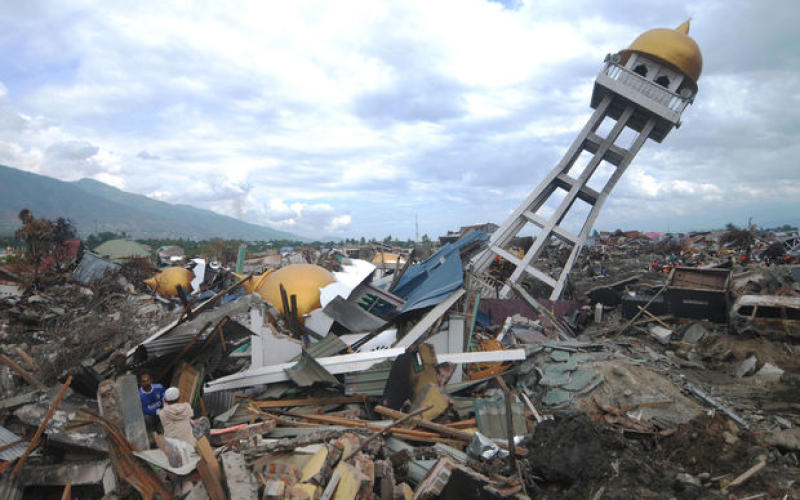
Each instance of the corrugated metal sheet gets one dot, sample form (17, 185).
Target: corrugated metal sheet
(172, 342)
(93, 267)
(351, 316)
(370, 382)
(7, 437)
(490, 414)
(219, 402)
(431, 281)
(308, 372)
(330, 345)
(10, 488)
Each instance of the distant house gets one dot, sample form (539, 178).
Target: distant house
(121, 251)
(453, 236)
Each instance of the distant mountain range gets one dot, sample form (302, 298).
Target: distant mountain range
(95, 207)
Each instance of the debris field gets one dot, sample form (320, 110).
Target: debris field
(326, 376)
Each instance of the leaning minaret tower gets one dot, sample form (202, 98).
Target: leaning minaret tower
(645, 87)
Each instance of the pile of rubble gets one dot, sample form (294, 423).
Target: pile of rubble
(334, 381)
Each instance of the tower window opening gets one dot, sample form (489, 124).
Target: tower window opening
(641, 69)
(663, 81)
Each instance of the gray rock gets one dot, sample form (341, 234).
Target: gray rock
(747, 367)
(661, 334)
(786, 439)
(768, 373)
(556, 397)
(694, 333)
(685, 478)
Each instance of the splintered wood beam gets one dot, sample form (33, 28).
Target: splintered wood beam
(22, 372)
(38, 435)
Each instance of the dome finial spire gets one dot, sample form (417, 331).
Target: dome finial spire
(684, 28)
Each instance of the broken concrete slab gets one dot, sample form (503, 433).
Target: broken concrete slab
(77, 473)
(241, 484)
(133, 425)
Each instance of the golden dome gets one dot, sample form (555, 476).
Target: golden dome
(303, 280)
(673, 47)
(166, 281)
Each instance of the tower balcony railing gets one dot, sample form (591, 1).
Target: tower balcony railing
(647, 88)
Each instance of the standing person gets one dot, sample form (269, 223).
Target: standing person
(151, 396)
(176, 418)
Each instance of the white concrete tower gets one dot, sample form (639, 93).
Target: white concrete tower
(645, 88)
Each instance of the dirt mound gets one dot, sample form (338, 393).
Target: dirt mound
(574, 457)
(709, 443)
(573, 449)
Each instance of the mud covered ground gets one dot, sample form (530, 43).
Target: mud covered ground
(574, 457)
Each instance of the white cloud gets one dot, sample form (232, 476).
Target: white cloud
(351, 117)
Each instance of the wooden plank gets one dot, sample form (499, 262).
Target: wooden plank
(463, 424)
(386, 429)
(212, 484)
(29, 361)
(208, 342)
(11, 444)
(22, 372)
(460, 435)
(366, 424)
(441, 429)
(280, 403)
(187, 380)
(204, 449)
(67, 495)
(38, 435)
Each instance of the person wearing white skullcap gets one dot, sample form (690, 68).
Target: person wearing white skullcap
(176, 417)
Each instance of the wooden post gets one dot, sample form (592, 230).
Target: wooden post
(509, 418)
(33, 365)
(35, 440)
(386, 429)
(22, 372)
(67, 495)
(622, 330)
(293, 314)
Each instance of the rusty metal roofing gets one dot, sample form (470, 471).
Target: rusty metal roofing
(93, 267)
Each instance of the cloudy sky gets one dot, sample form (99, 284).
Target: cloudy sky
(350, 118)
